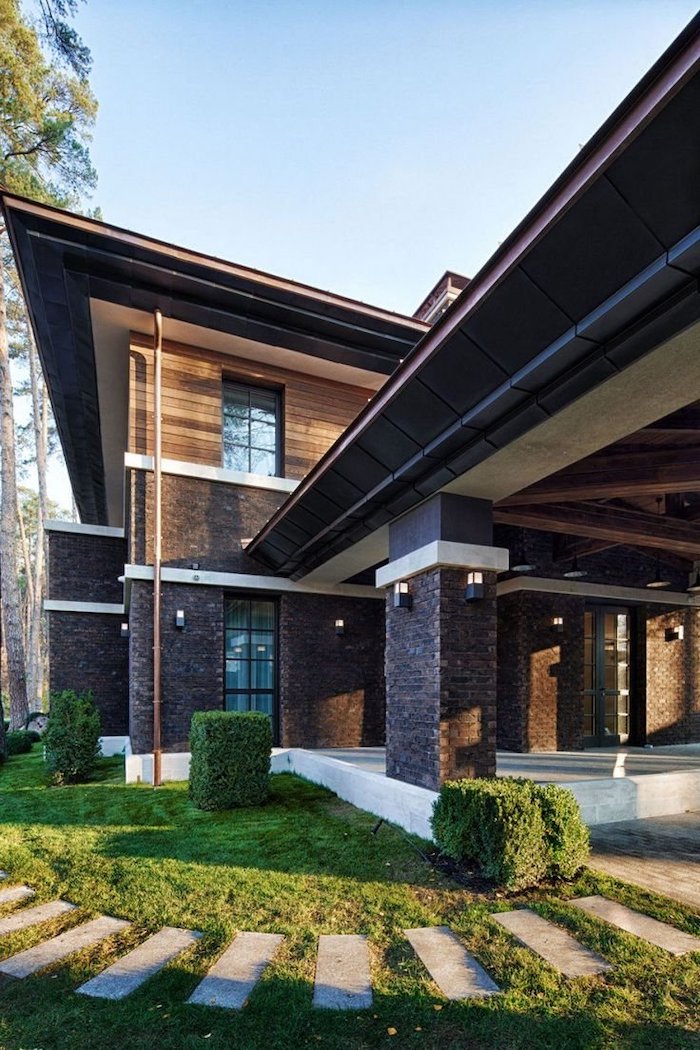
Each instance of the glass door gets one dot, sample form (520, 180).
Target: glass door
(606, 693)
(250, 676)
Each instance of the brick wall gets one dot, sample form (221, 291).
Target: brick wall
(84, 568)
(192, 662)
(86, 651)
(331, 688)
(441, 681)
(540, 672)
(203, 521)
(672, 676)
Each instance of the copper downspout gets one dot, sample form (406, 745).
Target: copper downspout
(157, 517)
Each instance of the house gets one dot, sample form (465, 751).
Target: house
(471, 527)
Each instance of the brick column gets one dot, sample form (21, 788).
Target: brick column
(441, 680)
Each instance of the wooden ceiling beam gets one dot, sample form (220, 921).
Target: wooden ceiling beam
(604, 522)
(568, 547)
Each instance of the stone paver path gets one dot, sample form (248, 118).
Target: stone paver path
(661, 854)
(342, 973)
(234, 976)
(15, 893)
(456, 973)
(130, 972)
(20, 920)
(554, 945)
(658, 933)
(42, 955)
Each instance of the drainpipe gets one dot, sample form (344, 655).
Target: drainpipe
(157, 512)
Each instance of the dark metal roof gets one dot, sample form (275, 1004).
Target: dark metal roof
(65, 260)
(603, 270)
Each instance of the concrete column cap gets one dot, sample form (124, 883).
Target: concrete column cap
(445, 553)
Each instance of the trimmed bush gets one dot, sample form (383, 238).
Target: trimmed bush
(517, 832)
(230, 764)
(72, 737)
(18, 743)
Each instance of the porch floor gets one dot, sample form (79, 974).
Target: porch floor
(556, 766)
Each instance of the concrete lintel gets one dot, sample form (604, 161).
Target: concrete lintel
(541, 585)
(205, 472)
(250, 582)
(84, 530)
(110, 608)
(443, 553)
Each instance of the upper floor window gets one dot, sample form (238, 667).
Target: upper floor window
(251, 430)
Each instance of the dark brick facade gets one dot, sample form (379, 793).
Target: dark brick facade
(331, 688)
(203, 521)
(441, 681)
(85, 568)
(672, 676)
(191, 661)
(86, 651)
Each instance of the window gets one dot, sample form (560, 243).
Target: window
(251, 430)
(251, 655)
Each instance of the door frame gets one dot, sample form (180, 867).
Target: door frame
(599, 691)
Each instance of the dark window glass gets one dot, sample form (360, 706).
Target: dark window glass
(251, 430)
(250, 655)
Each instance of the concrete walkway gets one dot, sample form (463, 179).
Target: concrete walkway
(661, 854)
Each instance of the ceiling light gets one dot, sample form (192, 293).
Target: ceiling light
(574, 573)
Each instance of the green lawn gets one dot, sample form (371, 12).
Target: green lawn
(305, 864)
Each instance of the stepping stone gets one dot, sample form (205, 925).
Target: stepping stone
(20, 920)
(3, 875)
(342, 973)
(129, 973)
(456, 973)
(658, 933)
(235, 973)
(43, 955)
(553, 944)
(15, 893)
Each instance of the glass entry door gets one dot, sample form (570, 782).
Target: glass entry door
(250, 678)
(606, 694)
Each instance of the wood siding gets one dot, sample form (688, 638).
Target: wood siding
(315, 411)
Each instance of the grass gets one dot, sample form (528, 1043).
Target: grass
(304, 864)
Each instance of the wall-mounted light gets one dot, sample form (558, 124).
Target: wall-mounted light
(475, 587)
(402, 597)
(340, 627)
(675, 634)
(180, 619)
(558, 624)
(194, 565)
(125, 630)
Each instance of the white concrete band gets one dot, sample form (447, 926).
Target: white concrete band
(596, 590)
(84, 530)
(250, 582)
(205, 472)
(445, 553)
(110, 608)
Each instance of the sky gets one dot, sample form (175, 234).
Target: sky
(361, 146)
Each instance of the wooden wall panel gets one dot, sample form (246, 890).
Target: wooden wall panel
(315, 411)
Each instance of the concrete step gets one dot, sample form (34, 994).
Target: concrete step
(235, 974)
(457, 974)
(20, 920)
(134, 969)
(15, 893)
(48, 952)
(551, 943)
(655, 932)
(342, 973)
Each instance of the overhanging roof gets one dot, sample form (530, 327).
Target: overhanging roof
(66, 260)
(602, 271)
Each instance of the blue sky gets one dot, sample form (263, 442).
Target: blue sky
(362, 146)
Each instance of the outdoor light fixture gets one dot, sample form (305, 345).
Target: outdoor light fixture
(558, 623)
(125, 630)
(675, 634)
(194, 565)
(475, 587)
(658, 580)
(521, 562)
(180, 619)
(402, 597)
(695, 585)
(574, 573)
(340, 627)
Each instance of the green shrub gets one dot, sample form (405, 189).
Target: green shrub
(72, 737)
(18, 743)
(230, 764)
(34, 737)
(566, 836)
(517, 832)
